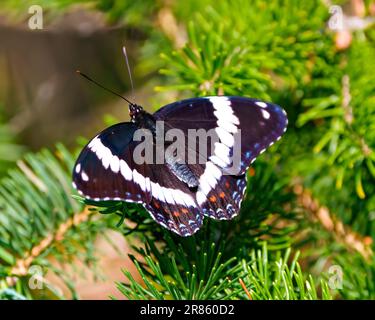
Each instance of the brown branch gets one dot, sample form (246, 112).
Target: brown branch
(168, 24)
(346, 98)
(32, 176)
(22, 265)
(331, 223)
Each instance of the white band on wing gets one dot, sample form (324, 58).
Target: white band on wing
(226, 128)
(108, 160)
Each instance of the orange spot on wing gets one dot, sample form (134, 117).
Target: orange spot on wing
(185, 210)
(251, 172)
(227, 185)
(157, 205)
(213, 199)
(176, 213)
(222, 195)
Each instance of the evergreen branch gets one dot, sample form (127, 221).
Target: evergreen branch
(22, 265)
(349, 112)
(218, 61)
(276, 279)
(10, 294)
(40, 220)
(358, 276)
(341, 233)
(267, 278)
(254, 222)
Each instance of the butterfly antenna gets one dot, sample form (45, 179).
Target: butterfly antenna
(129, 71)
(103, 87)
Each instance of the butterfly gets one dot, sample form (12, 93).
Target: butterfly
(178, 195)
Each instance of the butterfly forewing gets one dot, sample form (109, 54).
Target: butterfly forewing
(105, 169)
(259, 125)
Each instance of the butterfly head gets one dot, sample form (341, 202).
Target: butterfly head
(134, 111)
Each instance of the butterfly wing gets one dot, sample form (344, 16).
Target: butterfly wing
(259, 125)
(173, 204)
(105, 169)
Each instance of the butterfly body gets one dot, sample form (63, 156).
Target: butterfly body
(181, 170)
(141, 118)
(178, 192)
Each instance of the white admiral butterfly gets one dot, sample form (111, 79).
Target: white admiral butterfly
(178, 196)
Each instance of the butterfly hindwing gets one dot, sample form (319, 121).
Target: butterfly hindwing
(173, 204)
(223, 202)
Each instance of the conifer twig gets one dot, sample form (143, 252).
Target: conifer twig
(32, 176)
(332, 224)
(346, 98)
(22, 265)
(245, 289)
